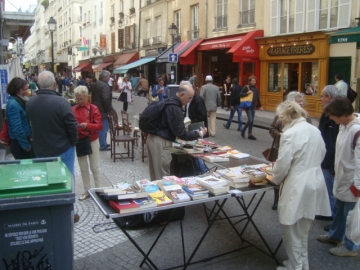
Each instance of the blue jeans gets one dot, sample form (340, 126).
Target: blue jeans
(103, 133)
(232, 113)
(250, 115)
(200, 166)
(338, 226)
(68, 157)
(329, 181)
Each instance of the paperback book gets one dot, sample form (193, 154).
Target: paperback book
(176, 193)
(125, 206)
(145, 203)
(160, 198)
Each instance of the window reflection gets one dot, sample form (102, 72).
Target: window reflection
(274, 77)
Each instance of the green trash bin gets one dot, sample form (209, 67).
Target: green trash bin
(36, 221)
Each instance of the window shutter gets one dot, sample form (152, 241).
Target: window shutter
(274, 27)
(299, 16)
(311, 15)
(112, 42)
(344, 14)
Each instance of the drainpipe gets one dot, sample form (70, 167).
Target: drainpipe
(138, 48)
(206, 16)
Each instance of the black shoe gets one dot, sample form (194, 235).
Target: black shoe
(108, 145)
(251, 137)
(327, 227)
(239, 129)
(107, 148)
(274, 207)
(224, 125)
(318, 217)
(243, 133)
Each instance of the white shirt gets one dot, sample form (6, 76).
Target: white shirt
(342, 87)
(122, 86)
(110, 82)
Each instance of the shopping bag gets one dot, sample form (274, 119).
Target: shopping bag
(246, 102)
(353, 224)
(4, 134)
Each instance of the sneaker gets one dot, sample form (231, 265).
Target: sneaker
(251, 137)
(342, 251)
(224, 125)
(326, 239)
(84, 196)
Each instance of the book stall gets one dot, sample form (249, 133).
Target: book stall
(239, 176)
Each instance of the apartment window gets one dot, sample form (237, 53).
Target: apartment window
(221, 14)
(287, 16)
(247, 12)
(113, 11)
(132, 3)
(195, 18)
(89, 18)
(80, 31)
(157, 38)
(177, 20)
(121, 5)
(328, 14)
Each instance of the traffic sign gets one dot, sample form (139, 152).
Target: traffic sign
(173, 57)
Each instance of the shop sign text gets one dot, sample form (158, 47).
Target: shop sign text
(248, 49)
(291, 50)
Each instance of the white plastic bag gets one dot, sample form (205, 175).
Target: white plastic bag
(353, 224)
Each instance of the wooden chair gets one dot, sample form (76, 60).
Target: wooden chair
(144, 136)
(126, 139)
(117, 125)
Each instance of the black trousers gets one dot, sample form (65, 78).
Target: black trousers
(124, 99)
(20, 153)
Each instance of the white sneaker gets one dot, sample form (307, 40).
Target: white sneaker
(342, 251)
(84, 196)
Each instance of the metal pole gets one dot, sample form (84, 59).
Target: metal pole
(172, 73)
(52, 52)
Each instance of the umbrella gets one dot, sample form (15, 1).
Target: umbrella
(15, 69)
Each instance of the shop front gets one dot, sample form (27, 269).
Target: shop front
(84, 68)
(235, 55)
(294, 63)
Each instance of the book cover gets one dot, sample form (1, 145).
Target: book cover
(199, 196)
(239, 156)
(215, 158)
(146, 202)
(150, 188)
(160, 198)
(130, 195)
(126, 206)
(108, 191)
(212, 182)
(139, 183)
(176, 193)
(195, 189)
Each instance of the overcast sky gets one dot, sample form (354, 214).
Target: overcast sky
(23, 4)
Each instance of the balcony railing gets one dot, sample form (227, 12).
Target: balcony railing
(220, 22)
(247, 17)
(156, 40)
(193, 34)
(146, 42)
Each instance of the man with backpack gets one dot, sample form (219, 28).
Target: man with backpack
(164, 121)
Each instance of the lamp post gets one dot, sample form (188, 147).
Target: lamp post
(52, 27)
(173, 30)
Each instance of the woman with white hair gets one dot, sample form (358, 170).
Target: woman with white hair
(302, 186)
(276, 127)
(89, 124)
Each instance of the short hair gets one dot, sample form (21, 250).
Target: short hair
(293, 95)
(46, 79)
(251, 77)
(339, 76)
(339, 106)
(331, 91)
(289, 110)
(161, 79)
(15, 85)
(235, 80)
(81, 90)
(184, 88)
(104, 74)
(183, 82)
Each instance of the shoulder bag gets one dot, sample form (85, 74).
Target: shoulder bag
(4, 134)
(83, 146)
(246, 102)
(271, 154)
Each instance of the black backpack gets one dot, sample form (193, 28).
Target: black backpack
(151, 117)
(351, 94)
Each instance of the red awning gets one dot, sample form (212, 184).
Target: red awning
(219, 43)
(246, 48)
(126, 58)
(82, 67)
(100, 67)
(189, 57)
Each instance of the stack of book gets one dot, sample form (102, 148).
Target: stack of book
(152, 189)
(256, 176)
(129, 206)
(236, 178)
(268, 170)
(123, 192)
(175, 193)
(216, 186)
(195, 191)
(215, 158)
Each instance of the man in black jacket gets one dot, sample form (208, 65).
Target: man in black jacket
(54, 126)
(101, 96)
(171, 126)
(329, 131)
(235, 104)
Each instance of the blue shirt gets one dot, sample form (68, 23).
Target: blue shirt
(161, 96)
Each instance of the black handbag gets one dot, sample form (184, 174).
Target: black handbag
(83, 146)
(271, 154)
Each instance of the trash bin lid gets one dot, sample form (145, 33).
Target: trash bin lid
(34, 178)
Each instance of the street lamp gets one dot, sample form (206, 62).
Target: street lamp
(173, 30)
(52, 27)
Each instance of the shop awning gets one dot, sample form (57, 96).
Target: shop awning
(246, 47)
(346, 35)
(124, 69)
(100, 67)
(126, 58)
(82, 67)
(179, 48)
(189, 56)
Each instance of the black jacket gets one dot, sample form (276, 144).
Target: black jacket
(54, 126)
(197, 111)
(329, 131)
(172, 124)
(256, 96)
(101, 96)
(235, 94)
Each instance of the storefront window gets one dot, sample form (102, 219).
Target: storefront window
(248, 70)
(309, 82)
(291, 77)
(274, 77)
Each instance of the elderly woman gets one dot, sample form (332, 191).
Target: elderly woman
(347, 174)
(89, 124)
(276, 127)
(302, 187)
(17, 119)
(125, 95)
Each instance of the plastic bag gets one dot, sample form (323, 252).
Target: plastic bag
(353, 224)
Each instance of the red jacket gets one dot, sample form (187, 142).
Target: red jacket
(82, 115)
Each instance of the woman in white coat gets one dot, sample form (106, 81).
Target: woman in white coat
(303, 191)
